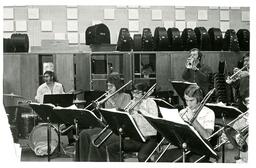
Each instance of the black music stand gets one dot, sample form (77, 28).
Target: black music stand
(63, 100)
(163, 103)
(123, 125)
(222, 110)
(180, 87)
(179, 133)
(47, 114)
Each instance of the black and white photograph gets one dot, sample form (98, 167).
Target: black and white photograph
(119, 83)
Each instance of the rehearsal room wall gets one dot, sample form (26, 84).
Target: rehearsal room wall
(71, 22)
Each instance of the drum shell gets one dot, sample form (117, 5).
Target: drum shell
(28, 122)
(39, 135)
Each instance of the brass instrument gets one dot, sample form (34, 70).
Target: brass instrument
(191, 63)
(107, 126)
(216, 134)
(127, 108)
(234, 77)
(205, 99)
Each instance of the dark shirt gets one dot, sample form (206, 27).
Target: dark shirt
(201, 76)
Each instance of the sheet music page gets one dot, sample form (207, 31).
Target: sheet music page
(172, 115)
(69, 107)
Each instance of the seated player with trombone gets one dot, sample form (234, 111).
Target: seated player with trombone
(113, 99)
(200, 117)
(109, 150)
(240, 82)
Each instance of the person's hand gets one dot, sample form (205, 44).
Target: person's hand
(223, 138)
(229, 80)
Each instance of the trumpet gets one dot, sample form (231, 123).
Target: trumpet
(235, 76)
(191, 63)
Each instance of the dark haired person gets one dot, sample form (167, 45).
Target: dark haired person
(109, 150)
(197, 72)
(119, 100)
(51, 86)
(240, 82)
(203, 124)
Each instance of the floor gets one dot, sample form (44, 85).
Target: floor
(66, 155)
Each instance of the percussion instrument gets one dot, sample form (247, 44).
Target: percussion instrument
(12, 95)
(38, 139)
(28, 121)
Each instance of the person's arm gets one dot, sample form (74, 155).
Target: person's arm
(39, 95)
(205, 133)
(187, 73)
(203, 73)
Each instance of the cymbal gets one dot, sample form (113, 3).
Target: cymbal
(13, 95)
(79, 101)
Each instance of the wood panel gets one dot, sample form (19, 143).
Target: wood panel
(65, 70)
(29, 75)
(82, 76)
(163, 70)
(127, 69)
(11, 77)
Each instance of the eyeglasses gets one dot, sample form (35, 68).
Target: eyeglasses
(46, 76)
(136, 92)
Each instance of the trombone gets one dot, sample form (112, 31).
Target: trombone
(107, 126)
(235, 75)
(127, 108)
(216, 133)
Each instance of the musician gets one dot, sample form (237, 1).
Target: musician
(240, 83)
(119, 100)
(203, 123)
(197, 72)
(146, 106)
(51, 86)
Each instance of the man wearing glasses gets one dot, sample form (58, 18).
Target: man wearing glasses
(49, 87)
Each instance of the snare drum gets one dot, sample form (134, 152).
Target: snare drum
(38, 139)
(28, 121)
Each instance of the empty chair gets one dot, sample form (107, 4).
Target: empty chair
(202, 38)
(97, 34)
(175, 39)
(230, 41)
(215, 36)
(189, 40)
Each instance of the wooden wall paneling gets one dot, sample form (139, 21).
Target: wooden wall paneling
(11, 77)
(127, 68)
(163, 70)
(65, 70)
(29, 75)
(99, 85)
(82, 76)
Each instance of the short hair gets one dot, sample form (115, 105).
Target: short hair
(194, 91)
(116, 80)
(199, 53)
(141, 87)
(51, 74)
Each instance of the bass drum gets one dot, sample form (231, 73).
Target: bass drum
(38, 139)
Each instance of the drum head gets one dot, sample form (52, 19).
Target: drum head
(38, 139)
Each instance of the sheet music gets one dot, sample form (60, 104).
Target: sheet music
(113, 110)
(172, 115)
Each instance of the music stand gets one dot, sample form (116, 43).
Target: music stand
(179, 133)
(221, 110)
(123, 125)
(63, 100)
(180, 87)
(46, 113)
(163, 103)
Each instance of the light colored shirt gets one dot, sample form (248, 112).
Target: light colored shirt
(206, 117)
(146, 107)
(120, 100)
(44, 89)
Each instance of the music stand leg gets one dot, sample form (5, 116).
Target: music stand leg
(120, 144)
(184, 149)
(48, 139)
(59, 138)
(76, 138)
(223, 153)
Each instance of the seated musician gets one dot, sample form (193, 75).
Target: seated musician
(119, 100)
(109, 150)
(240, 83)
(51, 86)
(197, 72)
(203, 123)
